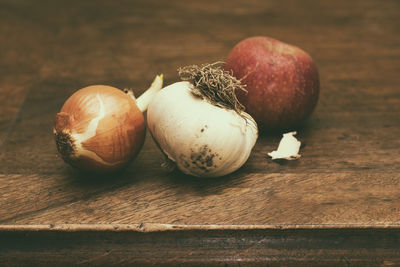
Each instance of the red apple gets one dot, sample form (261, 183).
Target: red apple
(281, 79)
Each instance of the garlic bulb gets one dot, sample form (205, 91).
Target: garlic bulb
(101, 128)
(203, 139)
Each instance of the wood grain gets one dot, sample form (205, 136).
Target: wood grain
(199, 248)
(350, 167)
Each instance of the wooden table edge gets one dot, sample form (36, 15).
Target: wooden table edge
(159, 227)
(149, 244)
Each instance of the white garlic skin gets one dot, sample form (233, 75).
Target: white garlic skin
(288, 148)
(202, 139)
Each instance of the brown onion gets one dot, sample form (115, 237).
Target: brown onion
(101, 128)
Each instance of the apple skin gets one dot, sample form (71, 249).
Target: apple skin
(281, 79)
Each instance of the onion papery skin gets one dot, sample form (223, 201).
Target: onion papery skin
(99, 129)
(202, 139)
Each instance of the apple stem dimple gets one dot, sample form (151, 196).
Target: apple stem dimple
(144, 100)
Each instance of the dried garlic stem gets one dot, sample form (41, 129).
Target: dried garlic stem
(215, 84)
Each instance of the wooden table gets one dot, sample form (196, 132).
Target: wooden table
(338, 204)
